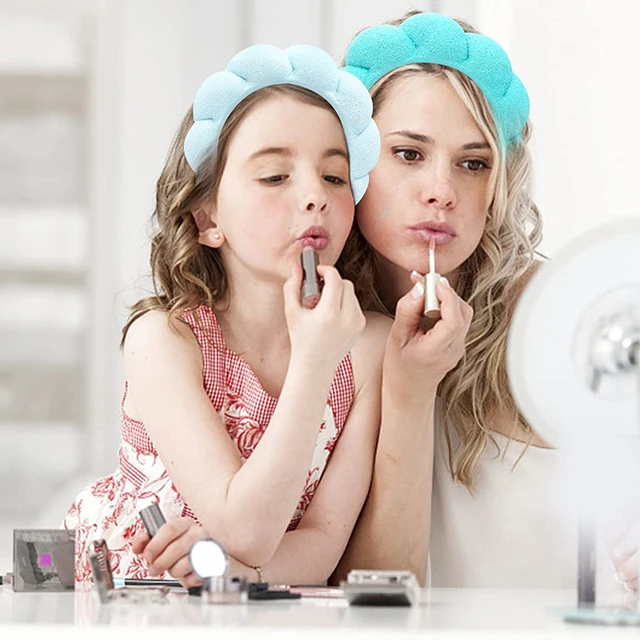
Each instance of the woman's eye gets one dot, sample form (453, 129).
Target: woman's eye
(408, 155)
(273, 179)
(335, 180)
(475, 165)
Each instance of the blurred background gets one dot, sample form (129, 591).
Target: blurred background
(91, 92)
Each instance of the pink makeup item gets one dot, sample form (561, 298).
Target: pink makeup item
(431, 302)
(310, 280)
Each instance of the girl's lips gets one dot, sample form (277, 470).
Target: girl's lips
(315, 242)
(425, 235)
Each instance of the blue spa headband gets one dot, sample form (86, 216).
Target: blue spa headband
(438, 39)
(306, 66)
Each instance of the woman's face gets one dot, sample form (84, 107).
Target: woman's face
(432, 180)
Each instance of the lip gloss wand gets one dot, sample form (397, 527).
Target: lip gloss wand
(431, 302)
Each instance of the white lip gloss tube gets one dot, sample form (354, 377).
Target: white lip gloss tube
(431, 302)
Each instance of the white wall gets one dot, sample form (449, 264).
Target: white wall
(580, 63)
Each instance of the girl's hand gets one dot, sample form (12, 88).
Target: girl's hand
(325, 334)
(169, 549)
(417, 359)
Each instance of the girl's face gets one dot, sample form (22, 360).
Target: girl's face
(431, 180)
(285, 186)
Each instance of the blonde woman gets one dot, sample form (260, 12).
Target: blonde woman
(454, 166)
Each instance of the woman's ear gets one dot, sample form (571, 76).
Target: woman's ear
(210, 233)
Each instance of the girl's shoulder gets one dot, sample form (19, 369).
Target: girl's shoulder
(157, 334)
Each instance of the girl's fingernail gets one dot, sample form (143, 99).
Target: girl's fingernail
(417, 291)
(416, 274)
(445, 282)
(620, 578)
(623, 553)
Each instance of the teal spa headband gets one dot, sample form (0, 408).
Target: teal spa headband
(306, 66)
(438, 39)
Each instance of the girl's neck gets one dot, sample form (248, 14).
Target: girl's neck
(252, 318)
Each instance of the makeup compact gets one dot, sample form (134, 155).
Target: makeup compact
(381, 588)
(311, 285)
(44, 559)
(210, 562)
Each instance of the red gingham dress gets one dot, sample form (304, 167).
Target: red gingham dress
(109, 507)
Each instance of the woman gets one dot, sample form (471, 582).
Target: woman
(454, 166)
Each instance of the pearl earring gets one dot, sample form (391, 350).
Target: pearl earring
(216, 236)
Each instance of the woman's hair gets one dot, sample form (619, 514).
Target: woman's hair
(491, 279)
(187, 274)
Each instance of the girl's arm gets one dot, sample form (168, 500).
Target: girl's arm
(246, 506)
(394, 528)
(310, 553)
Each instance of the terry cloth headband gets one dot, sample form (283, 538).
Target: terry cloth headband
(306, 66)
(438, 39)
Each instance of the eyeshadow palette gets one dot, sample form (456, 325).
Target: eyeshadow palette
(43, 559)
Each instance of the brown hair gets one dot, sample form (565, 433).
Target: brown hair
(491, 279)
(187, 274)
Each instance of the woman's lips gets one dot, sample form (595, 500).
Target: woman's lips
(315, 242)
(425, 235)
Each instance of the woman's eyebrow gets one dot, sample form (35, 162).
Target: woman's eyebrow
(476, 145)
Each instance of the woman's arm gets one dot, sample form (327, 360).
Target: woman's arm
(394, 528)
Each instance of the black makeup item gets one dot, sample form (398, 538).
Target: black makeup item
(310, 281)
(152, 518)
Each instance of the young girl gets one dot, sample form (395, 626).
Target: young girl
(454, 166)
(243, 409)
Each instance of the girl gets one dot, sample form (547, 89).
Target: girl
(455, 167)
(243, 409)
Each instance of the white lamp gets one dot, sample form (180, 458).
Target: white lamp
(574, 362)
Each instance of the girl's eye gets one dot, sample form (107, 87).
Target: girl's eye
(273, 179)
(408, 155)
(335, 180)
(475, 165)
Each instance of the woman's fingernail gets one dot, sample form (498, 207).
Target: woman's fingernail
(416, 274)
(620, 578)
(619, 552)
(417, 291)
(445, 282)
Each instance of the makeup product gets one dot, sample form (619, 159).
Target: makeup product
(146, 582)
(152, 518)
(310, 280)
(43, 559)
(210, 562)
(381, 588)
(104, 580)
(431, 302)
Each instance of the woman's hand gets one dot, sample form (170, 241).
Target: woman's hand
(418, 358)
(624, 549)
(169, 549)
(326, 333)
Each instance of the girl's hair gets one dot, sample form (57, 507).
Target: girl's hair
(491, 279)
(187, 274)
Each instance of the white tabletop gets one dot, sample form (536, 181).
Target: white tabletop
(466, 612)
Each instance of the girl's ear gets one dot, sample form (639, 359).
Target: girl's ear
(210, 233)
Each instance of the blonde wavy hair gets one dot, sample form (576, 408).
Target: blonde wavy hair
(187, 274)
(491, 279)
